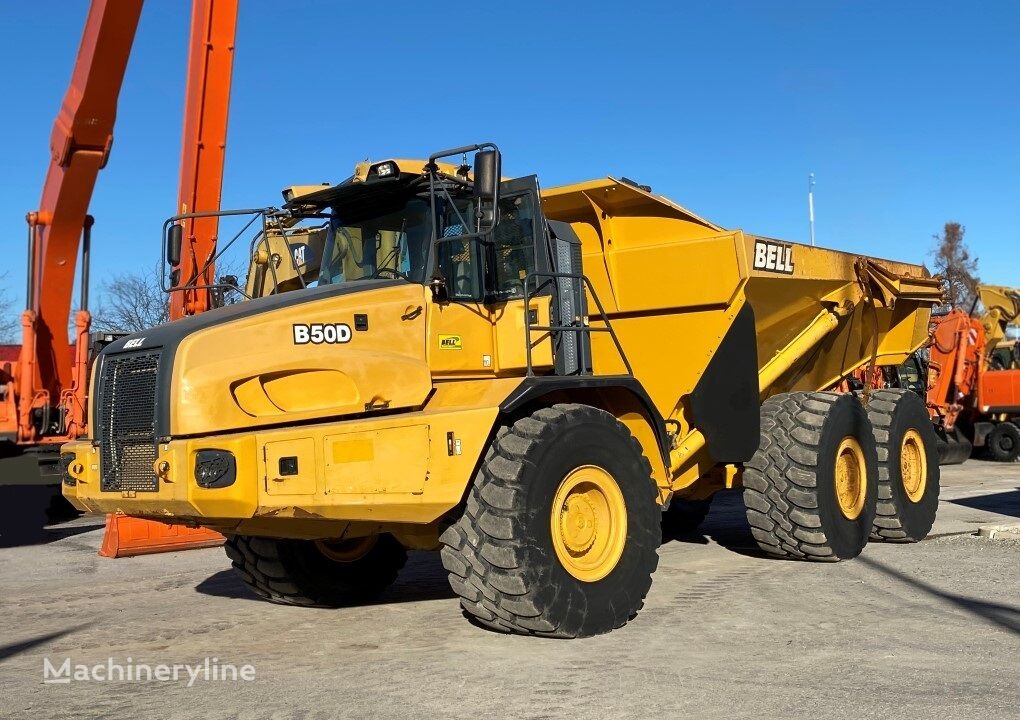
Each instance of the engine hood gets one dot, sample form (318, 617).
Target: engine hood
(318, 353)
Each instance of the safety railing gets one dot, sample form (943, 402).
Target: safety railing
(581, 324)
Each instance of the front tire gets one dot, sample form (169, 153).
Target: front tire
(315, 573)
(810, 489)
(908, 467)
(560, 532)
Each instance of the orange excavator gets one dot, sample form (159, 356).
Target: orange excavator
(43, 395)
(971, 402)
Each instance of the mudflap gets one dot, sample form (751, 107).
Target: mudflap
(953, 446)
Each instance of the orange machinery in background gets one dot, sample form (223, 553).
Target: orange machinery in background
(955, 359)
(43, 401)
(44, 395)
(203, 150)
(971, 402)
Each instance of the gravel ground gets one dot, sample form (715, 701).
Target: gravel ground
(930, 630)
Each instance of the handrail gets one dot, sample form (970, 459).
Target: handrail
(581, 329)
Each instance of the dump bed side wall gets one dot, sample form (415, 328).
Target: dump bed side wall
(670, 282)
(673, 282)
(789, 284)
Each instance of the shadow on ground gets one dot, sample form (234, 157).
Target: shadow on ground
(16, 648)
(422, 579)
(30, 515)
(1003, 503)
(1005, 616)
(726, 525)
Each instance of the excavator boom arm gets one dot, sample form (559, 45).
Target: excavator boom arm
(79, 147)
(48, 401)
(206, 106)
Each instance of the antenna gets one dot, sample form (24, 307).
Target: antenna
(811, 205)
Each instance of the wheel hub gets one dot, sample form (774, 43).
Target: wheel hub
(850, 477)
(347, 551)
(578, 523)
(588, 523)
(913, 465)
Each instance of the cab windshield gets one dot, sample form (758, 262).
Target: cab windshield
(390, 244)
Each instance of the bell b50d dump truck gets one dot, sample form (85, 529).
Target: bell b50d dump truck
(523, 379)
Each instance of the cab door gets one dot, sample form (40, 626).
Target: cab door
(460, 338)
(517, 249)
(481, 329)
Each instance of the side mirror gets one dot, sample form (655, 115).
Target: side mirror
(486, 188)
(174, 240)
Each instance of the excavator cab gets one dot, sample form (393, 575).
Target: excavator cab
(912, 374)
(1005, 356)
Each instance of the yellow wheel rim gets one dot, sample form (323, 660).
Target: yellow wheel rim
(913, 465)
(346, 551)
(851, 478)
(589, 523)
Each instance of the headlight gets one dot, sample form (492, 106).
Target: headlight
(383, 170)
(66, 459)
(215, 468)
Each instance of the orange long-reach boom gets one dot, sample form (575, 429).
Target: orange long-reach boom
(206, 105)
(45, 402)
(43, 396)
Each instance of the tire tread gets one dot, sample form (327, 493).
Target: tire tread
(489, 568)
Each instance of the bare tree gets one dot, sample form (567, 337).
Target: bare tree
(134, 301)
(9, 324)
(953, 261)
(131, 302)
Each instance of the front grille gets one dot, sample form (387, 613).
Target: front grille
(126, 422)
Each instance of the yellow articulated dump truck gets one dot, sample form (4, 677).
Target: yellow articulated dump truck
(525, 380)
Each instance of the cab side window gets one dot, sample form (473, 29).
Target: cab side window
(460, 260)
(512, 254)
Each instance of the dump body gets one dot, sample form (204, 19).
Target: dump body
(381, 425)
(673, 285)
(656, 265)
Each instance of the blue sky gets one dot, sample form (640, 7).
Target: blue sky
(906, 112)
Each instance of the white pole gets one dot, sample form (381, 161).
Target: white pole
(811, 205)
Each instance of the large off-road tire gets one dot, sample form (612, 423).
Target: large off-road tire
(317, 573)
(561, 527)
(908, 467)
(1004, 442)
(684, 517)
(811, 487)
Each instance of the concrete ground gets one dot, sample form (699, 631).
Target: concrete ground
(930, 630)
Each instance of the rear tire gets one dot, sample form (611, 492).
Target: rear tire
(1004, 442)
(811, 487)
(316, 574)
(560, 532)
(908, 468)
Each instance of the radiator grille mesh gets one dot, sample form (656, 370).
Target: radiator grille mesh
(126, 422)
